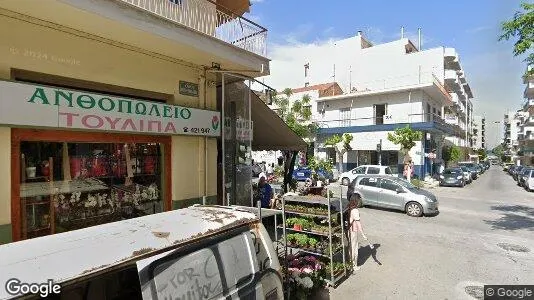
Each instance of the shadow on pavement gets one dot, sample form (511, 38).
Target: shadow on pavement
(515, 217)
(398, 211)
(365, 252)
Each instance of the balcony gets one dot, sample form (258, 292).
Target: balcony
(452, 61)
(468, 91)
(200, 32)
(529, 90)
(452, 81)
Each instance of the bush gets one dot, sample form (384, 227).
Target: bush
(418, 183)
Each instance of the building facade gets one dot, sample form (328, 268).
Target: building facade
(479, 132)
(526, 134)
(106, 107)
(393, 85)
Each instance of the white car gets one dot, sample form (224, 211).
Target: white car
(347, 177)
(529, 182)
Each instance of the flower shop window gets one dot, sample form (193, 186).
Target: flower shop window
(71, 185)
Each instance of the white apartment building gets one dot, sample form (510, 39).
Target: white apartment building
(479, 132)
(514, 129)
(392, 85)
(526, 136)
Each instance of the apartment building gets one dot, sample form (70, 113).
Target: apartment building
(392, 85)
(526, 134)
(513, 131)
(112, 109)
(479, 132)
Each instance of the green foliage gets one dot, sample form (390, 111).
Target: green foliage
(296, 114)
(498, 151)
(521, 26)
(418, 183)
(482, 154)
(452, 154)
(336, 139)
(405, 137)
(317, 164)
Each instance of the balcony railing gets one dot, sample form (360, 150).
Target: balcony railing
(211, 19)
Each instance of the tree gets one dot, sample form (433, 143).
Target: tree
(521, 26)
(498, 150)
(452, 154)
(296, 114)
(482, 154)
(406, 138)
(341, 144)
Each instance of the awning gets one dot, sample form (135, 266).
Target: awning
(270, 131)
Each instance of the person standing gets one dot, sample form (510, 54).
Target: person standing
(270, 170)
(355, 226)
(265, 192)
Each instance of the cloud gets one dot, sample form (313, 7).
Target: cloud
(256, 1)
(478, 29)
(254, 18)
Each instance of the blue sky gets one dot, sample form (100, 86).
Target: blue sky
(472, 27)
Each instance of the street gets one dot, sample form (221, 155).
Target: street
(453, 254)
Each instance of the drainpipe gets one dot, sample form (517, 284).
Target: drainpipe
(203, 82)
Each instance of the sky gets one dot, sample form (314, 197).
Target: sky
(472, 27)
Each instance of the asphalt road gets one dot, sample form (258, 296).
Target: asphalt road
(453, 254)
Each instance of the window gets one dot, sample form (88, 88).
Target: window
(344, 116)
(373, 170)
(380, 110)
(388, 185)
(369, 181)
(66, 186)
(359, 170)
(427, 116)
(388, 171)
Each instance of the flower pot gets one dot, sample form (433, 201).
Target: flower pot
(297, 227)
(30, 172)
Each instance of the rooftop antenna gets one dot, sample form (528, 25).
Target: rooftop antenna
(402, 32)
(419, 37)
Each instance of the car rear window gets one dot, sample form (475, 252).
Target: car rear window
(373, 170)
(452, 171)
(369, 181)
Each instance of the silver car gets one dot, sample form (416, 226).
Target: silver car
(394, 193)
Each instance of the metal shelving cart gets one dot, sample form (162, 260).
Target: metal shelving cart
(335, 233)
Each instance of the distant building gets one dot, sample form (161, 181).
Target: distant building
(479, 132)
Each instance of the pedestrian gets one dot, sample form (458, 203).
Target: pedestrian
(270, 170)
(265, 192)
(355, 226)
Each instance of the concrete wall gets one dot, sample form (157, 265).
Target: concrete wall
(35, 48)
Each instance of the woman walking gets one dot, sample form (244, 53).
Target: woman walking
(355, 226)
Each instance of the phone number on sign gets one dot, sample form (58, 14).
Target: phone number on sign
(197, 130)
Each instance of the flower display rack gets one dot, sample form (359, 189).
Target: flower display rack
(314, 226)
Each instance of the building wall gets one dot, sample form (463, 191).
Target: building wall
(46, 50)
(362, 112)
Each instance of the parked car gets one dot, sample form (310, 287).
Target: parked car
(394, 193)
(523, 177)
(472, 168)
(302, 173)
(517, 171)
(467, 174)
(349, 176)
(452, 177)
(529, 182)
(511, 169)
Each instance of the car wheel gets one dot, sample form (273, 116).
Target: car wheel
(345, 181)
(414, 209)
(463, 183)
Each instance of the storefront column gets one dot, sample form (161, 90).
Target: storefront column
(5, 186)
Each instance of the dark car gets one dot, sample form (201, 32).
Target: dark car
(517, 171)
(511, 169)
(472, 168)
(452, 177)
(304, 172)
(467, 174)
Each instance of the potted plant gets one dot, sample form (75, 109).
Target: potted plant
(312, 242)
(302, 240)
(291, 239)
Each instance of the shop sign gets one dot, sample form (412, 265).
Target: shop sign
(41, 106)
(188, 88)
(243, 130)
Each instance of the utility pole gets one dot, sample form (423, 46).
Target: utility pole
(379, 150)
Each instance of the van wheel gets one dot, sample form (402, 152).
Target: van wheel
(414, 209)
(345, 181)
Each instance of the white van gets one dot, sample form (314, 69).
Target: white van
(200, 252)
(349, 176)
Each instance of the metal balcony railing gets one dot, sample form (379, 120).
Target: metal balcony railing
(211, 19)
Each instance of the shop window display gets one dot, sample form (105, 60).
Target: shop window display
(68, 186)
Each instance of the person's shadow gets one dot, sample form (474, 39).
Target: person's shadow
(365, 252)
